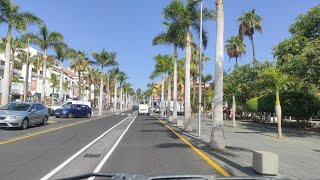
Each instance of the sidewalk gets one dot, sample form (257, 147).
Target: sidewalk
(299, 152)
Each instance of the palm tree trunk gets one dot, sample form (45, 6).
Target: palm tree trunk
(193, 106)
(236, 61)
(38, 74)
(6, 75)
(169, 99)
(187, 105)
(115, 98)
(108, 90)
(278, 113)
(79, 86)
(175, 58)
(44, 77)
(11, 69)
(234, 111)
(101, 93)
(253, 49)
(52, 96)
(26, 80)
(61, 82)
(162, 97)
(217, 138)
(90, 92)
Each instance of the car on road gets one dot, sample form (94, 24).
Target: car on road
(135, 107)
(74, 110)
(52, 109)
(22, 115)
(143, 109)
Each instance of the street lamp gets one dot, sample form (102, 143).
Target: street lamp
(200, 73)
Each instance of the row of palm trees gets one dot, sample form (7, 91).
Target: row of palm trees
(15, 19)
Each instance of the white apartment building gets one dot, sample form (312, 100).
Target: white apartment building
(35, 80)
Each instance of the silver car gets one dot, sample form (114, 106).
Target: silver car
(22, 115)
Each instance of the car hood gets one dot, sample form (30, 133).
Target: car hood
(12, 113)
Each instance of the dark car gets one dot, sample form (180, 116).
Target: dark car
(135, 107)
(74, 110)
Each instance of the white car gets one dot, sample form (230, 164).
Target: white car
(143, 109)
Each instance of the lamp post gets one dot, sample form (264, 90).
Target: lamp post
(200, 73)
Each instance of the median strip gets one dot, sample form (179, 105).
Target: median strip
(199, 152)
(48, 130)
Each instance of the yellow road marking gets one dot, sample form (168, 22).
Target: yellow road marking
(48, 130)
(204, 156)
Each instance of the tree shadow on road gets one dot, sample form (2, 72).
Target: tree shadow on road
(172, 145)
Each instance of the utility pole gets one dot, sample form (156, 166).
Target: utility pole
(200, 73)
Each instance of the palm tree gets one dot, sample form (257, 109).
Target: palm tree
(45, 39)
(276, 80)
(173, 36)
(90, 78)
(250, 22)
(16, 20)
(114, 73)
(150, 87)
(126, 88)
(23, 57)
(163, 66)
(205, 79)
(217, 138)
(186, 17)
(235, 48)
(66, 86)
(80, 62)
(54, 81)
(122, 77)
(63, 52)
(231, 88)
(104, 59)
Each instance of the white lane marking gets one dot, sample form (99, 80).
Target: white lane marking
(122, 114)
(104, 160)
(53, 172)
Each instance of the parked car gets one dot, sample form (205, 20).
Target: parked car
(74, 110)
(23, 115)
(143, 109)
(52, 109)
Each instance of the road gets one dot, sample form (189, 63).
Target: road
(123, 143)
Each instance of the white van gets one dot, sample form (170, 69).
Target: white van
(180, 107)
(143, 109)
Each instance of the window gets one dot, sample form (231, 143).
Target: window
(3, 62)
(39, 107)
(33, 107)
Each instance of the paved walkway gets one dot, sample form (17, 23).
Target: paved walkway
(299, 151)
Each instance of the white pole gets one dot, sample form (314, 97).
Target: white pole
(200, 73)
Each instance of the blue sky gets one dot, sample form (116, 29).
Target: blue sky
(128, 27)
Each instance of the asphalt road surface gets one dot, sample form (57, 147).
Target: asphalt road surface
(114, 144)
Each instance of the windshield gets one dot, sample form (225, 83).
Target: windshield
(16, 107)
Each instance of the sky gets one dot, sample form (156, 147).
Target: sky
(128, 27)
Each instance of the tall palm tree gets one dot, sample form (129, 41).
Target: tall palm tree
(150, 87)
(63, 52)
(54, 81)
(186, 17)
(90, 78)
(217, 138)
(231, 89)
(114, 73)
(173, 36)
(104, 59)
(80, 62)
(235, 48)
(122, 77)
(250, 22)
(23, 57)
(16, 20)
(163, 67)
(45, 39)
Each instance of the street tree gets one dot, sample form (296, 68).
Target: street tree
(104, 59)
(235, 48)
(11, 15)
(45, 40)
(187, 16)
(54, 82)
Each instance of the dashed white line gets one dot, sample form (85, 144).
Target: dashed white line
(53, 172)
(106, 157)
